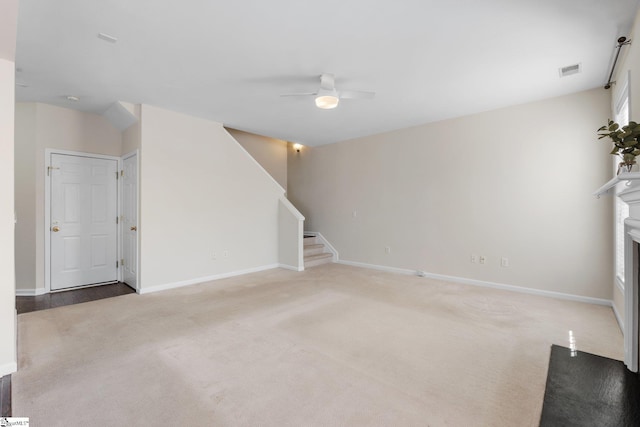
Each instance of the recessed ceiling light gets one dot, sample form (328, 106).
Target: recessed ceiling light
(108, 38)
(73, 98)
(570, 70)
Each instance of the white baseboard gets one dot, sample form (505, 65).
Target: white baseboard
(180, 284)
(540, 292)
(8, 368)
(378, 267)
(474, 282)
(291, 267)
(618, 317)
(30, 292)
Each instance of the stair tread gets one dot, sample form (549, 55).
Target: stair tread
(318, 256)
(314, 246)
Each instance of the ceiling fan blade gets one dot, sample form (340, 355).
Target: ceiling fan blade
(327, 81)
(300, 94)
(356, 94)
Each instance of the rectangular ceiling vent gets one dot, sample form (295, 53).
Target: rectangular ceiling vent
(570, 69)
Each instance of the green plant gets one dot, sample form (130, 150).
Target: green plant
(626, 139)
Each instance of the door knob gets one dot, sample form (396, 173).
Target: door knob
(55, 228)
(134, 228)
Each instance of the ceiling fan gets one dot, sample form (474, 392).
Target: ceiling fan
(327, 97)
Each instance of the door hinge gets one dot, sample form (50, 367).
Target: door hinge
(117, 265)
(122, 172)
(117, 220)
(49, 169)
(122, 262)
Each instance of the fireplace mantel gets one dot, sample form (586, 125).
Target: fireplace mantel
(624, 176)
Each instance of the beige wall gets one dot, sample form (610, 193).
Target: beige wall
(271, 153)
(25, 195)
(38, 127)
(131, 136)
(8, 23)
(201, 193)
(627, 68)
(515, 182)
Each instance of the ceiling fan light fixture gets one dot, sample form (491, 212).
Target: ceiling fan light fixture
(327, 102)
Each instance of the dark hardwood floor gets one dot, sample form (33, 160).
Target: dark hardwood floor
(585, 390)
(58, 299)
(77, 296)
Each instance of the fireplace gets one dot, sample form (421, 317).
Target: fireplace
(631, 196)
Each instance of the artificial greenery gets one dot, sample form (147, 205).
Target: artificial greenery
(626, 139)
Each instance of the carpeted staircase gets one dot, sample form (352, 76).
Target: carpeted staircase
(314, 252)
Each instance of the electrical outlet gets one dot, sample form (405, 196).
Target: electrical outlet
(504, 262)
(214, 256)
(474, 258)
(483, 259)
(387, 250)
(225, 254)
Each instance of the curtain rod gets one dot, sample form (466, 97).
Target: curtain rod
(621, 42)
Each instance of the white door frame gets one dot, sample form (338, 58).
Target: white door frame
(47, 209)
(121, 230)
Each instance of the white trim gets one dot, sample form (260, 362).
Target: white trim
(632, 234)
(613, 182)
(325, 242)
(618, 317)
(47, 207)
(49, 151)
(30, 292)
(136, 153)
(629, 91)
(482, 283)
(294, 211)
(520, 289)
(378, 267)
(622, 95)
(8, 368)
(291, 267)
(619, 284)
(180, 284)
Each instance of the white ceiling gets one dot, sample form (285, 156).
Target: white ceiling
(229, 61)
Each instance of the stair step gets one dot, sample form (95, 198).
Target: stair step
(309, 240)
(313, 260)
(313, 249)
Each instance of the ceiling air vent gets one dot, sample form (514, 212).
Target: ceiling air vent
(569, 70)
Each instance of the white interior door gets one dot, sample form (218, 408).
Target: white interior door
(130, 221)
(83, 221)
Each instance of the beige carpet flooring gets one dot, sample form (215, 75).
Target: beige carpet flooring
(331, 346)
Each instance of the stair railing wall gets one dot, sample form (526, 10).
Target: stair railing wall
(290, 236)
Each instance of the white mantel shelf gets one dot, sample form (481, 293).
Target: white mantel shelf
(624, 176)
